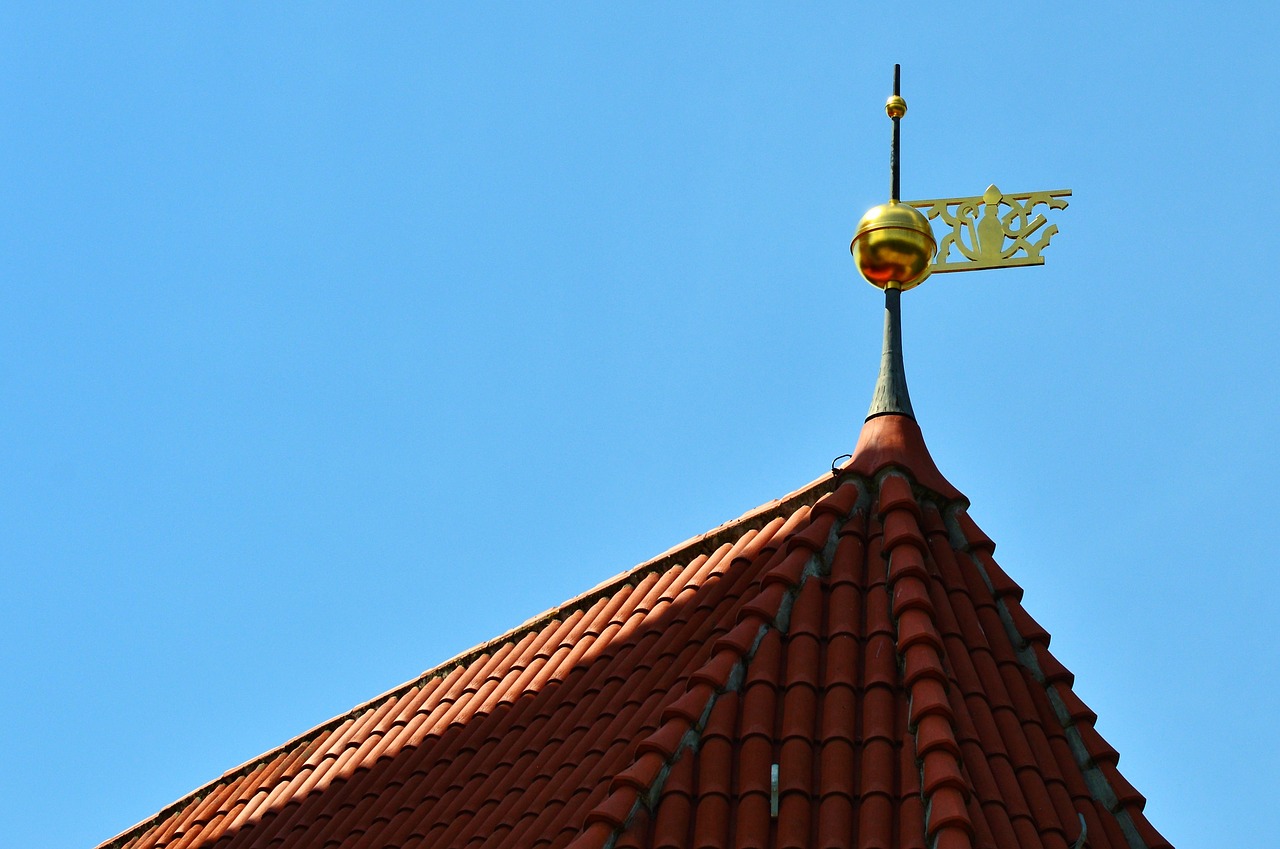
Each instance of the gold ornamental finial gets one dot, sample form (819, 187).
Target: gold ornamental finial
(895, 248)
(895, 245)
(979, 235)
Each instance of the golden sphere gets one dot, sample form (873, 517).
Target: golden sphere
(895, 106)
(893, 246)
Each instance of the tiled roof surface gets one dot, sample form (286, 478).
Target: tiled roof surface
(855, 639)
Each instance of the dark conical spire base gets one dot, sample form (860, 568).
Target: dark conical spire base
(891, 395)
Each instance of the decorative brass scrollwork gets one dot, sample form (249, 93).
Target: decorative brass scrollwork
(980, 236)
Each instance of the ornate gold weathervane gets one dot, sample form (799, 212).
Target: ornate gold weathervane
(895, 248)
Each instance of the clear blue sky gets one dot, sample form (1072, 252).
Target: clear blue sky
(335, 340)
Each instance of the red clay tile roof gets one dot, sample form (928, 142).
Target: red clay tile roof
(846, 667)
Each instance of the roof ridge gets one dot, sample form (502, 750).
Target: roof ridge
(944, 787)
(1093, 755)
(753, 519)
(615, 818)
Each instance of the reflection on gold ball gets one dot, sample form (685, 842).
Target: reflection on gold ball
(893, 246)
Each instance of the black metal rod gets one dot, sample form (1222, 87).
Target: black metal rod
(895, 193)
(890, 395)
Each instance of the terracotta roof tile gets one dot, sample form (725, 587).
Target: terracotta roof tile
(846, 667)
